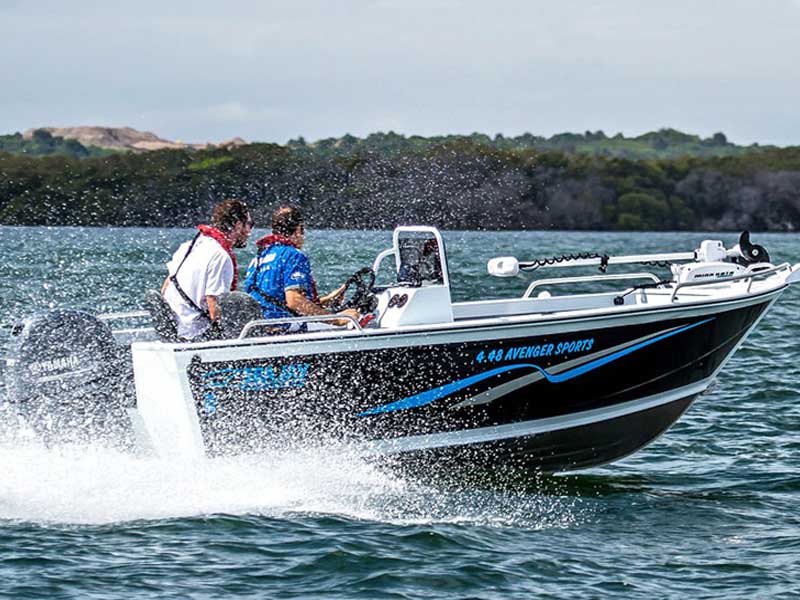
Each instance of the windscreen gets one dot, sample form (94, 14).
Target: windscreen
(420, 259)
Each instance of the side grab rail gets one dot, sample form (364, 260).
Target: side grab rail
(379, 259)
(283, 320)
(586, 278)
(134, 314)
(750, 276)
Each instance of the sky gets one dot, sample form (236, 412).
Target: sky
(271, 71)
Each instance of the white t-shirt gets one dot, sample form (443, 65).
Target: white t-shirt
(208, 271)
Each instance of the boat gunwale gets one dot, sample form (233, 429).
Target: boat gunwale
(610, 318)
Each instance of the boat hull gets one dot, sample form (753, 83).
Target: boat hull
(549, 451)
(554, 397)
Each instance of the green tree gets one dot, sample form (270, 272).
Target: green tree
(637, 210)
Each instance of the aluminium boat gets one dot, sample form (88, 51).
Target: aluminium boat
(546, 380)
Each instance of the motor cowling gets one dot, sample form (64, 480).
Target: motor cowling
(67, 377)
(707, 271)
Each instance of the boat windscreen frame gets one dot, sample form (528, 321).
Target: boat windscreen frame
(419, 231)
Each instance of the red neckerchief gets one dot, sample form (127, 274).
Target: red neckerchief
(276, 238)
(215, 233)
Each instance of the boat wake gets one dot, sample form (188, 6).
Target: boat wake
(89, 484)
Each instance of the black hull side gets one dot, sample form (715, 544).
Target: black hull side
(433, 391)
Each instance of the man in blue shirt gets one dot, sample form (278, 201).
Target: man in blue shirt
(280, 278)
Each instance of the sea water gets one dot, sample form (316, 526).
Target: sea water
(710, 510)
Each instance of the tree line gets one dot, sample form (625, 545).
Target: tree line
(43, 143)
(460, 183)
(664, 143)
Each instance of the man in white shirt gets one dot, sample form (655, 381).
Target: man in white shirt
(204, 268)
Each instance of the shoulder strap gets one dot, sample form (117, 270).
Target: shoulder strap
(273, 300)
(174, 279)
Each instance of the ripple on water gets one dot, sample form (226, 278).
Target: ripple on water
(708, 511)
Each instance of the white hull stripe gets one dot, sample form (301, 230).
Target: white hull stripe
(526, 428)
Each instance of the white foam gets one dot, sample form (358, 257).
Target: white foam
(94, 484)
(90, 484)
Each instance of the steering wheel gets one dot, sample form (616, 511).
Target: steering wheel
(363, 297)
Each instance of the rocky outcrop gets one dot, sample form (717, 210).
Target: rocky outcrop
(125, 138)
(232, 143)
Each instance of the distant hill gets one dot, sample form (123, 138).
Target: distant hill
(124, 138)
(86, 142)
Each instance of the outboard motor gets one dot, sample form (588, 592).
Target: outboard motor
(68, 378)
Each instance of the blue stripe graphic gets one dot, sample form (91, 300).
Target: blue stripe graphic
(437, 393)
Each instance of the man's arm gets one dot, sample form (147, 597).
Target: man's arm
(297, 301)
(219, 276)
(213, 309)
(335, 295)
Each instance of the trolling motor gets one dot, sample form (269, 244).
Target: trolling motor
(745, 253)
(711, 259)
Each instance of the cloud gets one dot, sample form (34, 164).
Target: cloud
(236, 112)
(274, 70)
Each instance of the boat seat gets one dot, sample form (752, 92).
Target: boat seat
(162, 316)
(236, 309)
